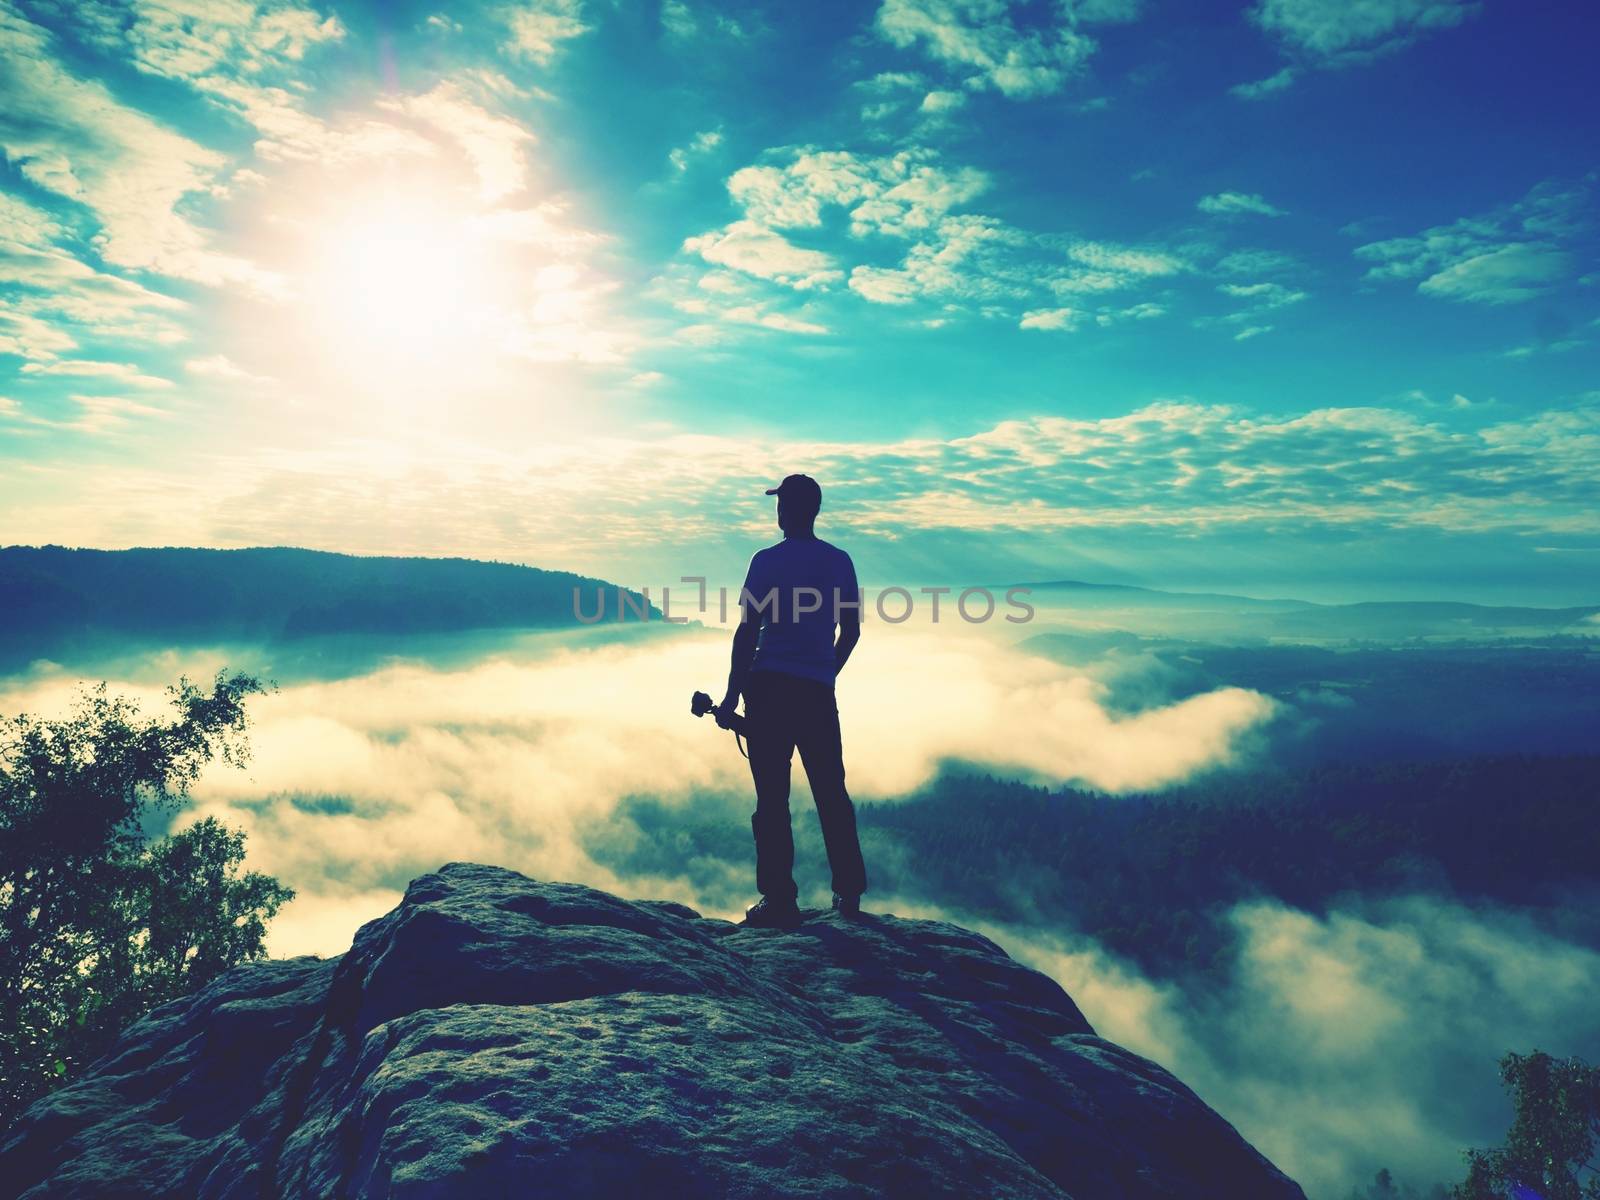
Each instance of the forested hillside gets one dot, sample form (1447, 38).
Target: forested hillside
(55, 597)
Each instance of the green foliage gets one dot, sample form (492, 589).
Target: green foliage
(1550, 1149)
(99, 924)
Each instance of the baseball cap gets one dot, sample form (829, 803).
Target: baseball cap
(799, 489)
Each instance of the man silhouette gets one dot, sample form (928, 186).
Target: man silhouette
(785, 660)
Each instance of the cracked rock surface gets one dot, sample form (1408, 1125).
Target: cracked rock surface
(494, 1036)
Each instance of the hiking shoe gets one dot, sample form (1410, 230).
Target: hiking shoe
(770, 914)
(847, 906)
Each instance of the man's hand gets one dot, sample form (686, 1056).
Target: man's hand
(724, 712)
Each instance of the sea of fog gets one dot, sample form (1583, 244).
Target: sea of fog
(1338, 1042)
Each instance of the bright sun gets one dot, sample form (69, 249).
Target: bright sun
(416, 295)
(401, 284)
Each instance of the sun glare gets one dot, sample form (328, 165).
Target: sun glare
(400, 276)
(401, 284)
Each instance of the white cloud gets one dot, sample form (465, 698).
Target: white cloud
(942, 102)
(50, 280)
(718, 299)
(98, 415)
(683, 22)
(220, 366)
(1342, 471)
(1109, 12)
(29, 337)
(180, 39)
(495, 145)
(1238, 203)
(1101, 267)
(901, 195)
(1069, 319)
(1338, 29)
(25, 225)
(539, 27)
(699, 145)
(883, 285)
(755, 249)
(958, 258)
(1342, 33)
(750, 314)
(1262, 295)
(245, 57)
(1504, 276)
(71, 136)
(893, 81)
(563, 317)
(979, 41)
(290, 134)
(53, 296)
(1051, 318)
(1128, 261)
(793, 196)
(1143, 312)
(1260, 300)
(1258, 88)
(1510, 254)
(912, 197)
(123, 373)
(677, 20)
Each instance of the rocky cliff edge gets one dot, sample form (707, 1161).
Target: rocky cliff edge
(497, 1036)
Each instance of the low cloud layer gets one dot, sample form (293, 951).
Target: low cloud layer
(1341, 1044)
(358, 784)
(1338, 1044)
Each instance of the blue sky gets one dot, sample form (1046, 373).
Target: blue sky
(1296, 295)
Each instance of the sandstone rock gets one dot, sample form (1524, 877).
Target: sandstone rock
(494, 1036)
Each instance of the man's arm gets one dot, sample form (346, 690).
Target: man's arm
(849, 617)
(849, 635)
(744, 653)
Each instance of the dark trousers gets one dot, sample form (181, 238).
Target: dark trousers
(785, 712)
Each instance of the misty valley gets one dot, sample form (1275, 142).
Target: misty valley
(1328, 872)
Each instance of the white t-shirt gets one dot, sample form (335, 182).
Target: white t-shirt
(797, 590)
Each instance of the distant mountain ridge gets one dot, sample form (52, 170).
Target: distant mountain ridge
(53, 596)
(1148, 595)
(1209, 613)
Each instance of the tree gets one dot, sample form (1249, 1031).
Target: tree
(1550, 1149)
(98, 922)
